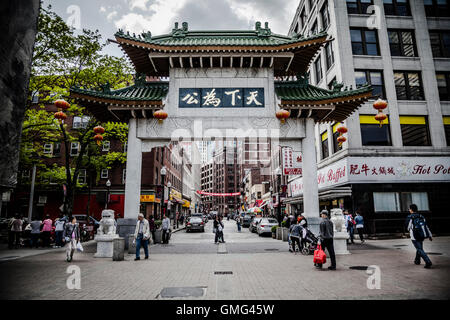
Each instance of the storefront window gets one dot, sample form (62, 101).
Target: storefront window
(399, 201)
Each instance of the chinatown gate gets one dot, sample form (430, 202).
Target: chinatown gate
(222, 85)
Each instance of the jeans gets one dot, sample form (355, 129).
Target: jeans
(420, 253)
(295, 240)
(351, 233)
(239, 227)
(360, 232)
(34, 239)
(72, 245)
(329, 245)
(46, 238)
(219, 236)
(165, 236)
(141, 242)
(58, 238)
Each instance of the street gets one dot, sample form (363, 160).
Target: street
(245, 267)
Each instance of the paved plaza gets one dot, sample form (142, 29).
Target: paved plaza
(245, 267)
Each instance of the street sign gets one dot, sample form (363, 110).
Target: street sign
(292, 161)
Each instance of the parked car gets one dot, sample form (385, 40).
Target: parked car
(195, 223)
(254, 224)
(265, 226)
(246, 221)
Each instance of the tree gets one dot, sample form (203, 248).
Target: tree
(64, 59)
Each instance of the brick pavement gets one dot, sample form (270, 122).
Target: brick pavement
(191, 259)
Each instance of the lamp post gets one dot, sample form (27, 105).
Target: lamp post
(271, 199)
(278, 174)
(163, 176)
(108, 185)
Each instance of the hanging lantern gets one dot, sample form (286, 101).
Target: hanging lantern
(60, 116)
(98, 138)
(282, 115)
(380, 104)
(62, 105)
(341, 140)
(161, 115)
(380, 117)
(99, 130)
(342, 130)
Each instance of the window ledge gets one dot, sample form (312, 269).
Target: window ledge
(405, 58)
(366, 56)
(398, 17)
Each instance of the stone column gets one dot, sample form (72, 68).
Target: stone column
(309, 170)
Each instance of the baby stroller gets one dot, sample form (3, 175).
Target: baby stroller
(309, 242)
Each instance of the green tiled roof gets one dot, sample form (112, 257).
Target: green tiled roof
(140, 91)
(184, 37)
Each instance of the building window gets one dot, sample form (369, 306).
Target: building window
(336, 146)
(364, 42)
(74, 148)
(48, 148)
(104, 174)
(372, 77)
(415, 131)
(408, 85)
(402, 43)
(124, 176)
(80, 122)
(329, 55)
(358, 6)
(418, 198)
(396, 8)
(82, 176)
(440, 44)
(318, 69)
(437, 8)
(386, 202)
(57, 149)
(447, 129)
(443, 82)
(324, 145)
(106, 145)
(371, 132)
(330, 84)
(325, 16)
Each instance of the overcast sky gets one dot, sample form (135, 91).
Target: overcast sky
(159, 16)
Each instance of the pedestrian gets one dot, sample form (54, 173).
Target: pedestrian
(165, 229)
(35, 232)
(295, 231)
(151, 223)
(141, 236)
(16, 232)
(418, 231)
(220, 230)
(326, 238)
(359, 221)
(238, 222)
(349, 224)
(71, 237)
(60, 224)
(177, 218)
(46, 231)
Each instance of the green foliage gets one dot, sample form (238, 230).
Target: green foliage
(274, 229)
(283, 224)
(158, 223)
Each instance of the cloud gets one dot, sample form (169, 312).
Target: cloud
(111, 15)
(102, 9)
(140, 4)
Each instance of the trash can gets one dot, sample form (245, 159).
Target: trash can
(118, 249)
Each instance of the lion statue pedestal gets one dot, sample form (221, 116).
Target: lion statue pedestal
(106, 234)
(340, 232)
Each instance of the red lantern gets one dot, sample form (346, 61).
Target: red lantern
(380, 104)
(282, 115)
(60, 116)
(380, 117)
(98, 138)
(342, 129)
(62, 104)
(341, 140)
(99, 130)
(161, 115)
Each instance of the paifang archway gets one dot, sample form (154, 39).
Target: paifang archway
(242, 69)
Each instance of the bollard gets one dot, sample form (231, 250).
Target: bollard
(118, 249)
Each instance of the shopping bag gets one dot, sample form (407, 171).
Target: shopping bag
(319, 255)
(79, 247)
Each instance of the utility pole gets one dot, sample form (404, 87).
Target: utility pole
(30, 204)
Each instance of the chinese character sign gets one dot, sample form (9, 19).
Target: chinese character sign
(292, 161)
(221, 98)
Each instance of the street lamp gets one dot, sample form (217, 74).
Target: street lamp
(163, 176)
(271, 199)
(108, 185)
(169, 203)
(278, 174)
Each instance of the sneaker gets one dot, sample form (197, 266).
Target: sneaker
(331, 268)
(416, 262)
(136, 259)
(146, 258)
(428, 265)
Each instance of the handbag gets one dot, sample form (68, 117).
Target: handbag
(80, 247)
(319, 255)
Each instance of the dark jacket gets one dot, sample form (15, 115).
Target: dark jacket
(70, 228)
(326, 229)
(152, 225)
(216, 224)
(295, 230)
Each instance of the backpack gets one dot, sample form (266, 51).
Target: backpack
(420, 228)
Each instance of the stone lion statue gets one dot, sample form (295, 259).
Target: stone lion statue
(107, 223)
(337, 217)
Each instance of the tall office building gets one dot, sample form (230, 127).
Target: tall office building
(401, 48)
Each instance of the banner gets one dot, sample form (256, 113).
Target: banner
(292, 161)
(218, 194)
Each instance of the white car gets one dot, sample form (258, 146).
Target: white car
(265, 225)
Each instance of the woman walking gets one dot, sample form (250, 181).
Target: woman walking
(46, 230)
(359, 220)
(71, 237)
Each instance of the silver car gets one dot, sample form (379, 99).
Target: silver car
(265, 226)
(195, 223)
(254, 224)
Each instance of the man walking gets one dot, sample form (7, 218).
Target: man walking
(151, 223)
(16, 232)
(295, 231)
(59, 229)
(165, 229)
(238, 222)
(419, 231)
(141, 236)
(326, 238)
(35, 232)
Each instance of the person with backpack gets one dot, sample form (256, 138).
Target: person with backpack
(359, 221)
(418, 231)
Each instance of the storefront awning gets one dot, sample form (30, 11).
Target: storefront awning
(324, 195)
